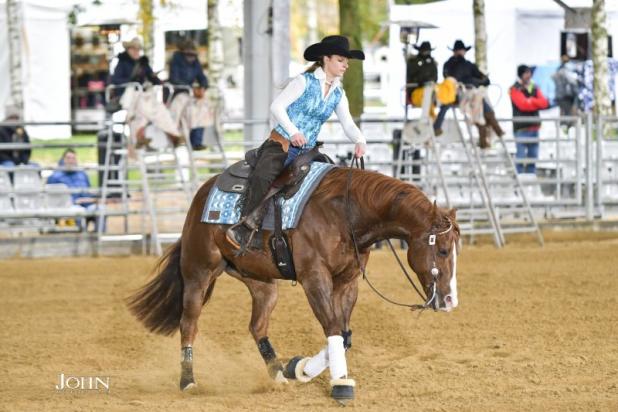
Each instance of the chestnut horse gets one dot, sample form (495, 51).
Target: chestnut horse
(374, 206)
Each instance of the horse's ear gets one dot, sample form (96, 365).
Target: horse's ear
(452, 213)
(434, 211)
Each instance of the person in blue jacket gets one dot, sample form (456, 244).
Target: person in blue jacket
(185, 68)
(74, 178)
(132, 67)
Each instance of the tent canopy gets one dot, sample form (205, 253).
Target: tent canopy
(45, 50)
(523, 31)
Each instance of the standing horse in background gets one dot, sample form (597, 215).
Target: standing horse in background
(350, 209)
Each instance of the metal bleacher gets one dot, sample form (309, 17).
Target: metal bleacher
(482, 184)
(576, 180)
(168, 178)
(26, 203)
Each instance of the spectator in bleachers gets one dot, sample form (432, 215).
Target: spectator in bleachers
(185, 68)
(75, 178)
(526, 100)
(132, 67)
(567, 88)
(191, 113)
(14, 134)
(143, 106)
(469, 75)
(420, 69)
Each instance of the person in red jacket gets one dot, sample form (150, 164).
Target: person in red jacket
(527, 100)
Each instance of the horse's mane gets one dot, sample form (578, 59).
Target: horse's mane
(372, 188)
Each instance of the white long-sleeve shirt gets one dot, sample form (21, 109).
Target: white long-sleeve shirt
(295, 89)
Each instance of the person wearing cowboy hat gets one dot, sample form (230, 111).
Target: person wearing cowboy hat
(132, 67)
(144, 108)
(186, 71)
(421, 69)
(307, 101)
(468, 74)
(185, 67)
(462, 69)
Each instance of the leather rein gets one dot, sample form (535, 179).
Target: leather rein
(360, 164)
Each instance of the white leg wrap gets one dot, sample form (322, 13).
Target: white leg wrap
(299, 371)
(336, 357)
(317, 364)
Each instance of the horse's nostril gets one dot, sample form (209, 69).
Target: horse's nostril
(448, 300)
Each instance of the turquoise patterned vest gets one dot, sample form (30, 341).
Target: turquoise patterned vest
(310, 110)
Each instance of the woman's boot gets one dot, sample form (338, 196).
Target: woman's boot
(484, 142)
(241, 234)
(490, 120)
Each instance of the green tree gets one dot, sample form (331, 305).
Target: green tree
(353, 82)
(373, 15)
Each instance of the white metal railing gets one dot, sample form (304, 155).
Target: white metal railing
(578, 172)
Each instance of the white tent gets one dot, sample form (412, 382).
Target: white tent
(45, 65)
(522, 31)
(46, 50)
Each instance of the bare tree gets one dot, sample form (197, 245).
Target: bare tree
(353, 82)
(215, 58)
(602, 103)
(480, 35)
(146, 16)
(14, 28)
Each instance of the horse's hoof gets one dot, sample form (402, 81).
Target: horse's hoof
(276, 372)
(294, 369)
(342, 390)
(280, 378)
(188, 386)
(290, 369)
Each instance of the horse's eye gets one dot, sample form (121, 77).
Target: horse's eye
(443, 253)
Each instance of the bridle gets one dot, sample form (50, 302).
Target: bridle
(435, 272)
(431, 241)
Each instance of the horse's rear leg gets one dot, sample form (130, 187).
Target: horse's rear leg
(264, 299)
(199, 282)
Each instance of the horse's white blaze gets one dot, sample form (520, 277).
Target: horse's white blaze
(453, 283)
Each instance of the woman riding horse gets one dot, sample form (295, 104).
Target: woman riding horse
(300, 110)
(349, 211)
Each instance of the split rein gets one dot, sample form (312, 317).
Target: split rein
(355, 163)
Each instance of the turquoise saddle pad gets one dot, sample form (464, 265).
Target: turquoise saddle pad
(222, 207)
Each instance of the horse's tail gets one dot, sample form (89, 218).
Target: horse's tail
(158, 304)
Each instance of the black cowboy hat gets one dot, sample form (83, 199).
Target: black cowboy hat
(338, 45)
(459, 45)
(425, 46)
